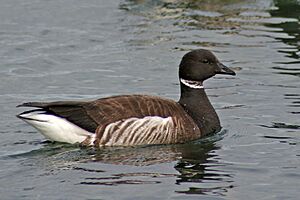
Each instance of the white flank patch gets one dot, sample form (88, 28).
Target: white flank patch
(137, 131)
(56, 128)
(192, 84)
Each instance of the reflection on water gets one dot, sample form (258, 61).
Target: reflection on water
(202, 167)
(195, 163)
(288, 9)
(197, 14)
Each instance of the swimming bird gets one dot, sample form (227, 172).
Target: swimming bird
(128, 120)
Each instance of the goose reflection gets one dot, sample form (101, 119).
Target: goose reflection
(196, 163)
(198, 168)
(196, 152)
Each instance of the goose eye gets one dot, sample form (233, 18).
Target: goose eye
(205, 61)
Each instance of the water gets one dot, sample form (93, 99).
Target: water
(89, 49)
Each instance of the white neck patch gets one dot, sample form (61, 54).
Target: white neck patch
(192, 84)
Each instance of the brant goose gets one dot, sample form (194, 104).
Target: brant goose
(135, 119)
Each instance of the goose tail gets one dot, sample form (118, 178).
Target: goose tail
(53, 127)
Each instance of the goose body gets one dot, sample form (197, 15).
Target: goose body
(135, 119)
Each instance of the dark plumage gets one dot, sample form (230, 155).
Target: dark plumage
(136, 119)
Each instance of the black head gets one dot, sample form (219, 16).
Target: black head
(201, 64)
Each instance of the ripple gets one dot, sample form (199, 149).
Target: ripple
(111, 180)
(282, 125)
(277, 137)
(88, 170)
(122, 182)
(287, 69)
(209, 190)
(294, 103)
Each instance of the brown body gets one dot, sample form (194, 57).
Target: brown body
(128, 120)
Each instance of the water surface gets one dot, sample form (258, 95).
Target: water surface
(91, 49)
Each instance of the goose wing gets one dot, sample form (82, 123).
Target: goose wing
(90, 115)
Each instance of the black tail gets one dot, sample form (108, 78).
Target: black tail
(73, 111)
(34, 104)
